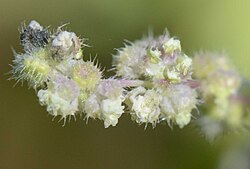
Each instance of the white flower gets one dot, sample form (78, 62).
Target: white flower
(111, 111)
(65, 43)
(155, 70)
(182, 119)
(61, 97)
(145, 105)
(177, 104)
(110, 88)
(129, 60)
(106, 102)
(92, 107)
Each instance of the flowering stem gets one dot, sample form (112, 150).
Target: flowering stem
(134, 83)
(148, 84)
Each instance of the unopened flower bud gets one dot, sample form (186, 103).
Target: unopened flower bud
(172, 75)
(184, 64)
(86, 75)
(32, 67)
(154, 55)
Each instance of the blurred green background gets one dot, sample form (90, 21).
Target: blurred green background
(29, 139)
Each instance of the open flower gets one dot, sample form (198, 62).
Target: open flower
(177, 103)
(106, 102)
(145, 105)
(154, 58)
(61, 96)
(112, 110)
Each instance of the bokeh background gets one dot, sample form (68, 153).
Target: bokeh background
(29, 139)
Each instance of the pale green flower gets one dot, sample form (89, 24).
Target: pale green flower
(171, 46)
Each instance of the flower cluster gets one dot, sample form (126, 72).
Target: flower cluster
(153, 82)
(167, 94)
(219, 88)
(53, 65)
